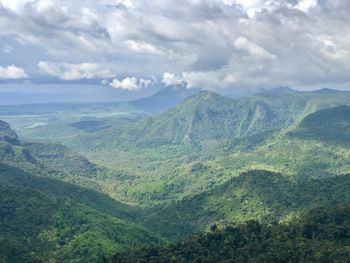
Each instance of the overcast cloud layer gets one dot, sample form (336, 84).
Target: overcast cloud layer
(212, 44)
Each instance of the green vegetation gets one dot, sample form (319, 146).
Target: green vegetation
(321, 235)
(318, 146)
(227, 136)
(255, 195)
(329, 125)
(7, 134)
(209, 116)
(59, 162)
(90, 180)
(43, 220)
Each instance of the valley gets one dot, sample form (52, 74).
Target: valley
(197, 131)
(102, 184)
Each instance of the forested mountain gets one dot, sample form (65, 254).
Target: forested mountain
(317, 146)
(320, 235)
(209, 160)
(169, 169)
(42, 219)
(175, 131)
(329, 125)
(164, 99)
(210, 117)
(254, 195)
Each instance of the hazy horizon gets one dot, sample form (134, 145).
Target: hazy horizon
(127, 49)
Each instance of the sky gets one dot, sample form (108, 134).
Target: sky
(136, 45)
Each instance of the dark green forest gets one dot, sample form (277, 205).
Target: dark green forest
(320, 235)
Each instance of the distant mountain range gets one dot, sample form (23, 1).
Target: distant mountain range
(164, 99)
(208, 116)
(208, 160)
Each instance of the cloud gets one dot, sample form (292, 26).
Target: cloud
(67, 71)
(12, 72)
(214, 44)
(130, 83)
(306, 5)
(142, 47)
(253, 49)
(170, 79)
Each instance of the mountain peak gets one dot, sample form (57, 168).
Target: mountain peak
(206, 95)
(325, 91)
(279, 91)
(164, 99)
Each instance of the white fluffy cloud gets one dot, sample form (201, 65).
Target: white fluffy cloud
(12, 72)
(130, 83)
(253, 49)
(206, 43)
(306, 5)
(67, 71)
(170, 79)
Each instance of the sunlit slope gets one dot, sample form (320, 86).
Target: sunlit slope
(319, 235)
(254, 195)
(318, 146)
(43, 219)
(210, 117)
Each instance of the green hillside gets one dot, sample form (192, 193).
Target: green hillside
(210, 160)
(57, 122)
(208, 116)
(320, 235)
(318, 146)
(173, 171)
(59, 162)
(43, 220)
(60, 158)
(255, 195)
(329, 125)
(7, 134)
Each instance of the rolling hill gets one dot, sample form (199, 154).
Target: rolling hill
(208, 117)
(254, 195)
(171, 167)
(59, 162)
(44, 218)
(320, 235)
(317, 146)
(329, 125)
(211, 159)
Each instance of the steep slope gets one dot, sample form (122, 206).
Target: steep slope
(13, 176)
(329, 125)
(320, 235)
(43, 220)
(60, 158)
(7, 134)
(11, 150)
(255, 195)
(317, 146)
(209, 117)
(221, 136)
(59, 162)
